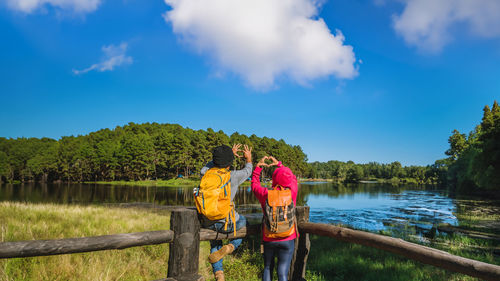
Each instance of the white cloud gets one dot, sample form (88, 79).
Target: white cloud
(113, 56)
(262, 40)
(428, 24)
(77, 6)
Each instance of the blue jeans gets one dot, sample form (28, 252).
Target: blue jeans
(215, 245)
(284, 251)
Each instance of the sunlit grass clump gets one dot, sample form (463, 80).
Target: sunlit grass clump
(475, 217)
(178, 182)
(20, 221)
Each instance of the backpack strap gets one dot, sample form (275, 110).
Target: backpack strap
(278, 186)
(231, 217)
(296, 228)
(224, 186)
(234, 220)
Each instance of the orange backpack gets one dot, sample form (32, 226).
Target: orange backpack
(279, 215)
(213, 197)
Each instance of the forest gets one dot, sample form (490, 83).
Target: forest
(350, 172)
(474, 159)
(472, 165)
(152, 151)
(137, 152)
(132, 152)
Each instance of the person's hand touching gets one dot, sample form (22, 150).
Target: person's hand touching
(262, 162)
(274, 162)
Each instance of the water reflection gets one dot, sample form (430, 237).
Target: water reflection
(403, 210)
(94, 194)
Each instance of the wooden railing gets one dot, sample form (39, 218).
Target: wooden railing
(185, 234)
(35, 248)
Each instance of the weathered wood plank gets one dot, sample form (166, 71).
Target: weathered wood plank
(85, 244)
(302, 248)
(412, 251)
(185, 249)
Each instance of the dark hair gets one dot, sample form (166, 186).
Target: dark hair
(222, 156)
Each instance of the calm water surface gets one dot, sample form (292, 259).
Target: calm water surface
(403, 210)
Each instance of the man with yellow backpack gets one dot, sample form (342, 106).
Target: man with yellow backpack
(214, 200)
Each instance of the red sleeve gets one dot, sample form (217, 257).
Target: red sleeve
(259, 191)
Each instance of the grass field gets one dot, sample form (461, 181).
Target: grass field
(160, 183)
(46, 221)
(328, 260)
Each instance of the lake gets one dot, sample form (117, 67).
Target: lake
(400, 210)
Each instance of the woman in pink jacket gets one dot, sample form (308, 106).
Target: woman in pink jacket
(283, 248)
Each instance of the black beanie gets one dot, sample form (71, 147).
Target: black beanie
(222, 156)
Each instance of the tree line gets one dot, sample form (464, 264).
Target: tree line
(394, 172)
(162, 151)
(474, 159)
(472, 165)
(132, 152)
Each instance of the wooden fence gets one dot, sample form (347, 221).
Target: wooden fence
(185, 233)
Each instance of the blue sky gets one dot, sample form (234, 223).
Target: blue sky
(390, 85)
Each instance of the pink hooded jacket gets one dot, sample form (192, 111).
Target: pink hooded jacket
(282, 176)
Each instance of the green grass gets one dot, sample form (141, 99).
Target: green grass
(474, 217)
(160, 183)
(47, 221)
(397, 181)
(245, 264)
(476, 249)
(328, 260)
(334, 260)
(312, 180)
(11, 182)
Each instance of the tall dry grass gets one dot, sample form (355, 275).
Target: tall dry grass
(20, 221)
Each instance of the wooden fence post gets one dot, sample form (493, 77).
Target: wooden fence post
(185, 250)
(302, 247)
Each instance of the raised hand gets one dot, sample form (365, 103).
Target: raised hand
(236, 148)
(274, 162)
(247, 152)
(262, 162)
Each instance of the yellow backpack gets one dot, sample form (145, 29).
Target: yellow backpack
(213, 197)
